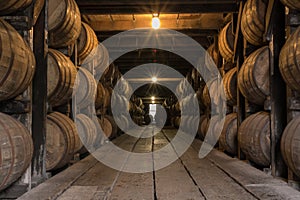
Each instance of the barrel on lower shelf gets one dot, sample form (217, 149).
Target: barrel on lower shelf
(202, 128)
(253, 21)
(254, 138)
(100, 97)
(289, 63)
(16, 150)
(106, 126)
(293, 4)
(290, 145)
(62, 141)
(87, 132)
(226, 42)
(17, 62)
(10, 6)
(64, 22)
(61, 75)
(228, 138)
(253, 77)
(230, 86)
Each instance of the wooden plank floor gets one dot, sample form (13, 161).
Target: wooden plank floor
(215, 177)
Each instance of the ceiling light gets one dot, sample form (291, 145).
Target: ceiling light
(152, 98)
(155, 22)
(153, 102)
(154, 79)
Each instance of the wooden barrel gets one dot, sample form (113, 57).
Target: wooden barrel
(10, 6)
(107, 76)
(177, 121)
(210, 88)
(105, 126)
(122, 122)
(86, 88)
(253, 77)
(86, 42)
(64, 22)
(228, 138)
(290, 145)
(253, 21)
(87, 132)
(202, 128)
(121, 103)
(97, 59)
(226, 42)
(62, 141)
(100, 96)
(293, 4)
(15, 149)
(107, 99)
(254, 138)
(17, 62)
(61, 74)
(113, 125)
(230, 86)
(211, 57)
(289, 62)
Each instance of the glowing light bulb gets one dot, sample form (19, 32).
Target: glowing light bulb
(152, 98)
(155, 23)
(154, 79)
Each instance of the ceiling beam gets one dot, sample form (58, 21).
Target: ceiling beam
(162, 6)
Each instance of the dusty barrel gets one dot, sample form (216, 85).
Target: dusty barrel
(211, 90)
(15, 149)
(62, 141)
(64, 22)
(17, 62)
(254, 138)
(177, 121)
(253, 77)
(10, 6)
(230, 86)
(228, 138)
(253, 21)
(87, 131)
(226, 42)
(289, 61)
(293, 4)
(86, 89)
(61, 74)
(99, 101)
(290, 143)
(86, 42)
(105, 126)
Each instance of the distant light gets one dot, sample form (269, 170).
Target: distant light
(152, 98)
(154, 79)
(155, 23)
(153, 102)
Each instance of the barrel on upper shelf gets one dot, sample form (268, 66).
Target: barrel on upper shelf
(226, 42)
(230, 86)
(64, 22)
(253, 77)
(17, 62)
(253, 21)
(86, 42)
(16, 150)
(293, 4)
(11, 6)
(228, 138)
(62, 140)
(211, 59)
(254, 138)
(289, 62)
(290, 143)
(61, 75)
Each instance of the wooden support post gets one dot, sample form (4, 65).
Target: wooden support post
(275, 32)
(39, 104)
(239, 59)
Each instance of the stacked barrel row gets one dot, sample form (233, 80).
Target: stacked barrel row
(17, 67)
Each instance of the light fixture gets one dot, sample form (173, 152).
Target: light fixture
(154, 79)
(153, 98)
(155, 21)
(153, 102)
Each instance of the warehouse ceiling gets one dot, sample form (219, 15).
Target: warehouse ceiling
(199, 19)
